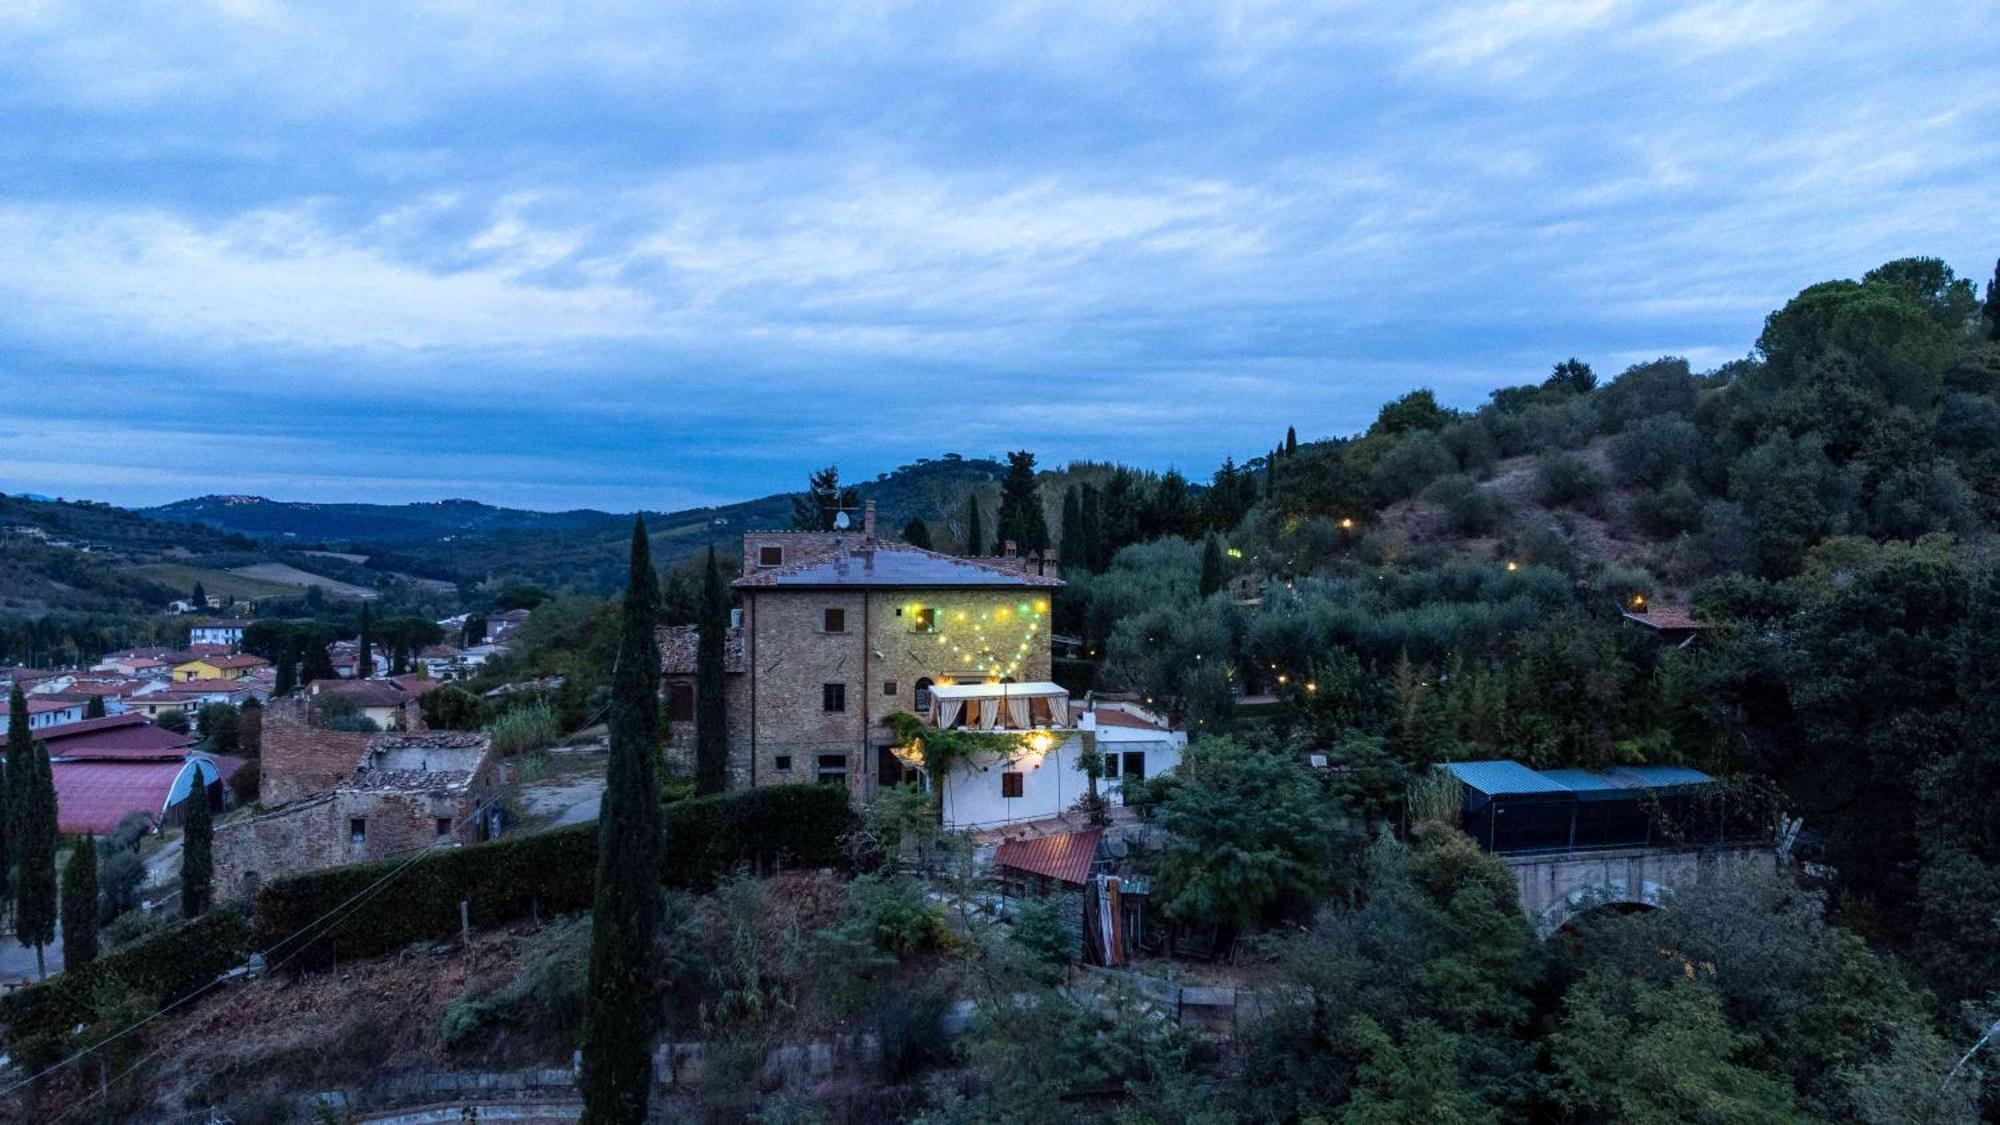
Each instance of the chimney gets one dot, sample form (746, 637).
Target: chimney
(868, 520)
(1007, 549)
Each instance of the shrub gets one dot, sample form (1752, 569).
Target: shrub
(529, 727)
(1038, 927)
(1415, 461)
(768, 828)
(168, 965)
(1566, 480)
(452, 708)
(245, 783)
(547, 998)
(1654, 450)
(1470, 509)
(892, 910)
(1671, 511)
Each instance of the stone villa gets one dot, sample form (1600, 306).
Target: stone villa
(840, 630)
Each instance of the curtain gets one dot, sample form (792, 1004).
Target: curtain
(1017, 711)
(947, 711)
(989, 713)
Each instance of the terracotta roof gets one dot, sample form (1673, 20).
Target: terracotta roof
(1666, 619)
(1113, 717)
(241, 660)
(416, 686)
(362, 693)
(38, 706)
(878, 562)
(678, 644)
(1067, 857)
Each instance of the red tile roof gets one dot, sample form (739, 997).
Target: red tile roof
(1066, 857)
(41, 706)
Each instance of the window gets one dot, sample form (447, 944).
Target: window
(770, 556)
(834, 621)
(923, 695)
(443, 826)
(833, 697)
(680, 702)
(1135, 764)
(832, 769)
(357, 833)
(782, 763)
(1010, 784)
(924, 620)
(888, 687)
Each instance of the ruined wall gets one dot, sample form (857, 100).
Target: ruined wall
(299, 760)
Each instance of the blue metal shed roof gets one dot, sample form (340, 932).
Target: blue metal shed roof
(1584, 781)
(1656, 777)
(1499, 778)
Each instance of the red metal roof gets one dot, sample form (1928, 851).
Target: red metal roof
(1066, 857)
(115, 736)
(95, 796)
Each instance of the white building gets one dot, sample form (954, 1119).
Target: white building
(216, 633)
(1043, 776)
(43, 713)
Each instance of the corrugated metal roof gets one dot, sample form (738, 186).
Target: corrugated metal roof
(1066, 857)
(1498, 778)
(1584, 781)
(95, 796)
(1656, 777)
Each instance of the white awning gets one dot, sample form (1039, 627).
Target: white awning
(998, 691)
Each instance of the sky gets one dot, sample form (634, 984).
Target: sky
(662, 255)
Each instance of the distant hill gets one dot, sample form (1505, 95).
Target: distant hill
(582, 549)
(371, 523)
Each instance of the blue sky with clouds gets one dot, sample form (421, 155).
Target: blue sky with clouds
(666, 254)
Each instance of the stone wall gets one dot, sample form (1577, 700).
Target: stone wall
(681, 735)
(1554, 888)
(299, 760)
(879, 660)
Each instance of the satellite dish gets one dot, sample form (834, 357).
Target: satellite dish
(840, 521)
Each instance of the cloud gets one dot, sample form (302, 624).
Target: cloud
(645, 255)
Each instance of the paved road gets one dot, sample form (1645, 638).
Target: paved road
(17, 961)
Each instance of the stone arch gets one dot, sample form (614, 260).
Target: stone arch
(1614, 895)
(922, 698)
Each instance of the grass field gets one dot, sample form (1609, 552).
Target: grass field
(221, 583)
(297, 579)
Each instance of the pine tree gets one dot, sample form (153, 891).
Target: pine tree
(1211, 565)
(1021, 517)
(35, 888)
(917, 533)
(975, 540)
(823, 499)
(1075, 540)
(95, 708)
(711, 685)
(618, 1029)
(79, 904)
(197, 852)
(364, 663)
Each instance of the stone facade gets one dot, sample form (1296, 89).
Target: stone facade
(300, 760)
(401, 792)
(677, 689)
(1554, 887)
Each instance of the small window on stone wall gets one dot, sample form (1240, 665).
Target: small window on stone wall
(834, 620)
(444, 826)
(680, 702)
(888, 687)
(357, 833)
(1010, 784)
(770, 556)
(782, 763)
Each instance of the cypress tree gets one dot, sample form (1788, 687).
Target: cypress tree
(364, 663)
(1093, 529)
(1075, 540)
(95, 708)
(1291, 440)
(1211, 565)
(288, 673)
(197, 852)
(200, 598)
(711, 685)
(19, 747)
(917, 533)
(1993, 304)
(618, 1028)
(975, 541)
(35, 888)
(79, 904)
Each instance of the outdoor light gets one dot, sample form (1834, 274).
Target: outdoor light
(1347, 523)
(1512, 565)
(1312, 687)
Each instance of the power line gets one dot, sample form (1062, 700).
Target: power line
(354, 900)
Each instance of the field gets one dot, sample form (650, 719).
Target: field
(221, 583)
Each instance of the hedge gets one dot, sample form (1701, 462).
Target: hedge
(161, 968)
(764, 829)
